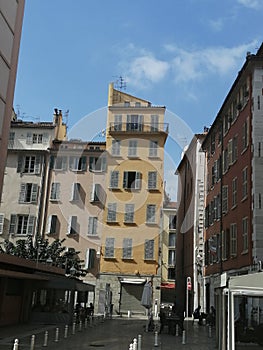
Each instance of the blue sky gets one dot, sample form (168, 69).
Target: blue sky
(183, 54)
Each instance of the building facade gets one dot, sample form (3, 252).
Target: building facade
(168, 252)
(190, 227)
(26, 175)
(135, 138)
(233, 214)
(11, 18)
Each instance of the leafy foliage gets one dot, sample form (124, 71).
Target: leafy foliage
(42, 251)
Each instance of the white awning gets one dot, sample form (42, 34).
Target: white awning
(251, 284)
(133, 280)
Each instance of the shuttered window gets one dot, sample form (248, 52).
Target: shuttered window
(132, 180)
(114, 179)
(2, 218)
(55, 191)
(149, 249)
(92, 227)
(129, 213)
(150, 214)
(28, 193)
(112, 215)
(52, 224)
(72, 225)
(127, 248)
(77, 163)
(152, 180)
(109, 247)
(153, 149)
(22, 224)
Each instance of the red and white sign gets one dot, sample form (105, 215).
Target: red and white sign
(189, 285)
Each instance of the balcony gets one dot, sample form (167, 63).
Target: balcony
(137, 128)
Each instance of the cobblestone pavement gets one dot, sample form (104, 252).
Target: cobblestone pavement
(110, 334)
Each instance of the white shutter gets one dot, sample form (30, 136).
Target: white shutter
(138, 181)
(30, 225)
(69, 225)
(34, 191)
(2, 218)
(45, 138)
(12, 225)
(22, 193)
(49, 223)
(38, 164)
(87, 259)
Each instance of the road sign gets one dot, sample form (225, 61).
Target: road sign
(189, 285)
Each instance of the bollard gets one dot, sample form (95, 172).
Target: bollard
(66, 331)
(56, 334)
(135, 344)
(177, 330)
(15, 344)
(86, 323)
(32, 344)
(156, 339)
(90, 321)
(73, 328)
(45, 338)
(139, 342)
(80, 326)
(183, 337)
(131, 347)
(210, 332)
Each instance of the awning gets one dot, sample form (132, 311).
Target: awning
(251, 284)
(133, 280)
(166, 285)
(22, 275)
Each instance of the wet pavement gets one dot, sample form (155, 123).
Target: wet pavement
(111, 334)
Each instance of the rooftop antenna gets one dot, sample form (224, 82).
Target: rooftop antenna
(120, 83)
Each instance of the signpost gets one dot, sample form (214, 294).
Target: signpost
(188, 288)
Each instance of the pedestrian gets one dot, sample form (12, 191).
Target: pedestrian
(197, 315)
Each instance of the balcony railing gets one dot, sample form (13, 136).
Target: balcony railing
(139, 128)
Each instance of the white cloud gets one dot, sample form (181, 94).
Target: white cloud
(217, 24)
(253, 4)
(147, 69)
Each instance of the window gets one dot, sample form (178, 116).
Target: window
(225, 199)
(154, 122)
(77, 163)
(172, 222)
(234, 192)
(76, 188)
(11, 139)
(60, 163)
(131, 180)
(134, 123)
(109, 247)
(97, 164)
(22, 224)
(245, 135)
(171, 257)
(29, 164)
(172, 239)
(129, 213)
(149, 249)
(245, 234)
(90, 258)
(2, 220)
(153, 148)
(152, 180)
(225, 160)
(234, 149)
(233, 239)
(112, 212)
(150, 214)
(93, 224)
(28, 193)
(171, 273)
(118, 122)
(244, 183)
(114, 179)
(116, 147)
(97, 194)
(72, 225)
(132, 151)
(52, 224)
(37, 138)
(55, 191)
(127, 248)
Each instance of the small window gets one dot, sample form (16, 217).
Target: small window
(233, 240)
(245, 234)
(132, 151)
(93, 224)
(52, 224)
(72, 225)
(55, 191)
(153, 149)
(150, 214)
(2, 220)
(131, 180)
(116, 147)
(90, 259)
(109, 247)
(112, 212)
(97, 164)
(114, 179)
(28, 193)
(77, 163)
(127, 248)
(149, 249)
(76, 188)
(129, 213)
(152, 180)
(22, 224)
(60, 163)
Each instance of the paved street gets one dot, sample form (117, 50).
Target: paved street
(114, 334)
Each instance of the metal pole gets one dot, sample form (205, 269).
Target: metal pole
(15, 345)
(156, 339)
(32, 344)
(66, 331)
(186, 300)
(45, 338)
(57, 333)
(139, 342)
(73, 328)
(183, 337)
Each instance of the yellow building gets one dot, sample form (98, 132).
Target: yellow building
(135, 138)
